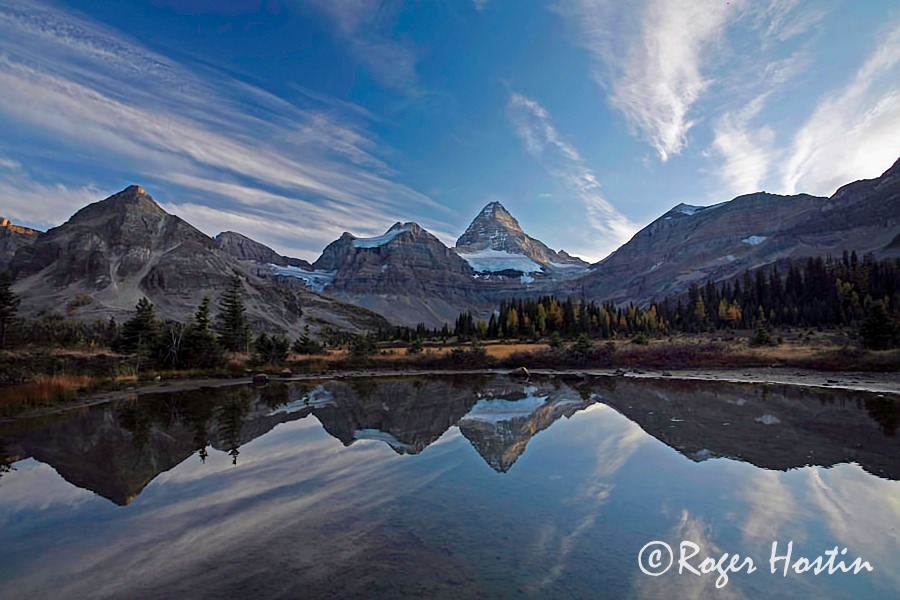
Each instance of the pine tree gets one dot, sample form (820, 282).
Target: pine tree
(199, 346)
(139, 331)
(232, 325)
(878, 331)
(9, 304)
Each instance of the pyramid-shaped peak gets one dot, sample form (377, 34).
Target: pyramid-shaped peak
(492, 207)
(133, 201)
(133, 194)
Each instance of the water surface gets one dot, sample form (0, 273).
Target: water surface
(449, 487)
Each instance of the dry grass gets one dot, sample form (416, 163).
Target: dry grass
(44, 389)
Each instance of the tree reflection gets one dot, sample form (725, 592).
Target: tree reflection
(197, 414)
(886, 413)
(6, 459)
(275, 394)
(230, 417)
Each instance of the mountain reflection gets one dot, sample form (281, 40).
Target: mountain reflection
(116, 450)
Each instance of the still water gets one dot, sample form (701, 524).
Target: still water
(448, 487)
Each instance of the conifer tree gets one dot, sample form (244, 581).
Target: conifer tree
(232, 325)
(139, 331)
(9, 304)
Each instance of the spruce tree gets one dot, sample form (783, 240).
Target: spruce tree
(232, 325)
(9, 304)
(139, 331)
(878, 331)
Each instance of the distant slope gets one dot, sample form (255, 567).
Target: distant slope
(691, 244)
(243, 248)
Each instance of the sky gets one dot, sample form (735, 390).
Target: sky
(292, 121)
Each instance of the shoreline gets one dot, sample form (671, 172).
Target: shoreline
(875, 383)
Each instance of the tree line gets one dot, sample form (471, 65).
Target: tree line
(815, 292)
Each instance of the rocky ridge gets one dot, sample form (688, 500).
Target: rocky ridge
(111, 253)
(243, 248)
(691, 244)
(13, 237)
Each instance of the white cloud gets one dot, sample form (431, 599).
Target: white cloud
(652, 67)
(105, 99)
(480, 5)
(663, 63)
(42, 206)
(747, 151)
(535, 129)
(852, 133)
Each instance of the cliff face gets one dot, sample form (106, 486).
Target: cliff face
(111, 253)
(691, 244)
(13, 237)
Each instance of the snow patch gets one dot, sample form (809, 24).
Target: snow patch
(568, 266)
(703, 454)
(317, 281)
(689, 210)
(381, 240)
(499, 260)
(495, 411)
(755, 240)
(382, 436)
(317, 397)
(768, 420)
(526, 278)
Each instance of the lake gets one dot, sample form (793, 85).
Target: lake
(455, 487)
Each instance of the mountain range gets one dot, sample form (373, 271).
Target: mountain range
(110, 253)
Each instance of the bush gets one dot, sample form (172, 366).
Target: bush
(761, 337)
(878, 330)
(362, 346)
(271, 350)
(305, 345)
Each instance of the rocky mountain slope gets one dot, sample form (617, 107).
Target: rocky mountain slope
(13, 237)
(691, 244)
(407, 275)
(243, 248)
(110, 253)
(411, 277)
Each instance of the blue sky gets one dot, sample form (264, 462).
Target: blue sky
(292, 121)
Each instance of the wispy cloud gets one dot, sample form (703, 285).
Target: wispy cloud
(103, 98)
(664, 63)
(367, 26)
(43, 205)
(651, 63)
(534, 127)
(852, 133)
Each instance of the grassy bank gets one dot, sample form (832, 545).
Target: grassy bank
(36, 377)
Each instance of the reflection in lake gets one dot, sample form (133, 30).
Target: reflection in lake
(447, 487)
